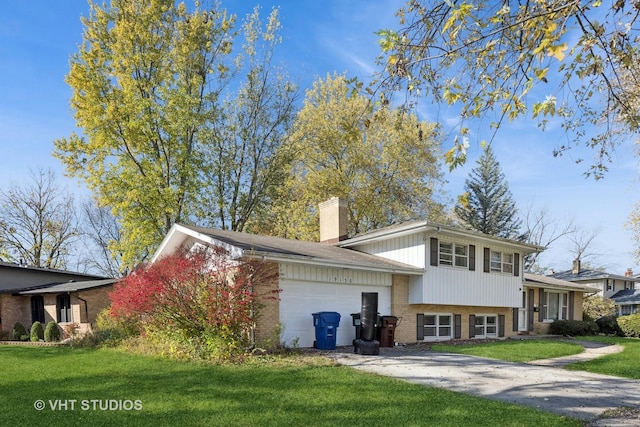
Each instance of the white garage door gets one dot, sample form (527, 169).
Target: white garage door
(299, 299)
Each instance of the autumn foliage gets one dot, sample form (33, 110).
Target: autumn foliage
(203, 301)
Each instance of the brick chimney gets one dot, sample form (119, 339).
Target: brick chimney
(628, 273)
(333, 220)
(576, 266)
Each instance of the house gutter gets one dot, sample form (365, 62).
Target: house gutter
(296, 259)
(86, 306)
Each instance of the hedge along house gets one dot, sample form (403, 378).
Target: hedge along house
(442, 282)
(29, 294)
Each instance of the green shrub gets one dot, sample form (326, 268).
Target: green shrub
(595, 307)
(609, 325)
(52, 332)
(630, 325)
(37, 332)
(573, 328)
(20, 332)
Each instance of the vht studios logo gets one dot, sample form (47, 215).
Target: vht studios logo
(88, 405)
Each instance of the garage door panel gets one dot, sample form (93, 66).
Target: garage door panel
(299, 299)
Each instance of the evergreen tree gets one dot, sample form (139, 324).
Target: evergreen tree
(487, 204)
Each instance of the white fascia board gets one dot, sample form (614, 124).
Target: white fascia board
(178, 234)
(382, 234)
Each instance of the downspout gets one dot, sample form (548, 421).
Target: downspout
(86, 308)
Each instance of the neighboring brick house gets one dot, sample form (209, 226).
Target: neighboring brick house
(29, 293)
(441, 282)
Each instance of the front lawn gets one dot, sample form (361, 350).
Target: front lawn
(624, 364)
(62, 386)
(514, 351)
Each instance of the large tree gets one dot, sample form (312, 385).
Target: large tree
(385, 162)
(101, 233)
(487, 204)
(148, 87)
(574, 60)
(38, 224)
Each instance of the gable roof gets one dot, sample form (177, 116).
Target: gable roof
(552, 282)
(412, 227)
(280, 249)
(590, 275)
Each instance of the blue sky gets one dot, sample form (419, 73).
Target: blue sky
(36, 41)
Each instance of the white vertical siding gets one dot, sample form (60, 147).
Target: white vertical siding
(408, 249)
(455, 286)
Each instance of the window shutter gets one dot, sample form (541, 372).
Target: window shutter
(472, 257)
(530, 310)
(472, 326)
(501, 321)
(516, 264)
(434, 252)
(515, 310)
(571, 306)
(457, 326)
(420, 328)
(487, 260)
(541, 304)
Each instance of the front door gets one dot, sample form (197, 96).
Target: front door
(522, 313)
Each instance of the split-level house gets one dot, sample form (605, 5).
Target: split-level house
(441, 282)
(621, 289)
(29, 294)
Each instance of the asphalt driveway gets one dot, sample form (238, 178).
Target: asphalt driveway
(581, 395)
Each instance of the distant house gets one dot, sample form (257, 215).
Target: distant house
(606, 284)
(29, 294)
(441, 282)
(621, 289)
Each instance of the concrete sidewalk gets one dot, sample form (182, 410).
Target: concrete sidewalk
(576, 394)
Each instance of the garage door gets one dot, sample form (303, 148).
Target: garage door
(299, 299)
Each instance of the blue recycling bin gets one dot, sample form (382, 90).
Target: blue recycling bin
(326, 324)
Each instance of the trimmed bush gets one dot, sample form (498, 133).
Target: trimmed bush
(52, 332)
(37, 332)
(630, 325)
(573, 328)
(20, 332)
(608, 325)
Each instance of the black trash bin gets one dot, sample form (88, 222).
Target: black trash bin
(355, 319)
(326, 324)
(387, 330)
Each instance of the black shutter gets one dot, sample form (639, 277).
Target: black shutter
(541, 303)
(516, 264)
(515, 310)
(420, 328)
(434, 252)
(457, 325)
(571, 306)
(472, 326)
(472, 257)
(530, 310)
(487, 260)
(501, 321)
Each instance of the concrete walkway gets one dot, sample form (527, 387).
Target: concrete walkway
(539, 384)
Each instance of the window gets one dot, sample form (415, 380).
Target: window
(610, 285)
(486, 326)
(37, 309)
(454, 254)
(63, 308)
(438, 327)
(501, 262)
(626, 310)
(628, 285)
(555, 305)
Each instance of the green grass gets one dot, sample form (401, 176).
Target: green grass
(514, 351)
(624, 364)
(260, 394)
